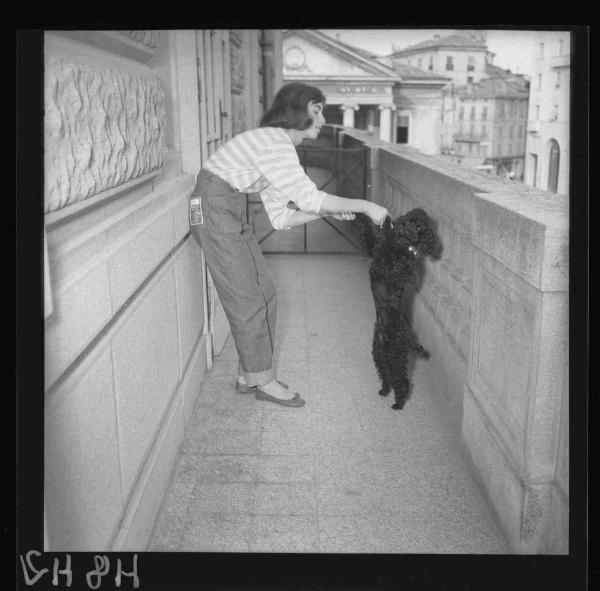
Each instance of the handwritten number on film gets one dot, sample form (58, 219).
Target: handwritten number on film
(32, 574)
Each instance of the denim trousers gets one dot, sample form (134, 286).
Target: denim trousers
(239, 273)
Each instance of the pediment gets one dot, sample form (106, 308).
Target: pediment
(311, 55)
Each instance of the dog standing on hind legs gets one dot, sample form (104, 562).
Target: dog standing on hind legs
(397, 251)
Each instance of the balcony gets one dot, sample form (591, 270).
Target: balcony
(533, 126)
(560, 61)
(488, 415)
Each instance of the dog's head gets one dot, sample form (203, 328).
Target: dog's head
(416, 231)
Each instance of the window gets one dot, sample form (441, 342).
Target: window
(470, 64)
(560, 47)
(469, 79)
(539, 81)
(449, 63)
(409, 62)
(472, 129)
(484, 131)
(431, 63)
(537, 111)
(402, 130)
(557, 81)
(484, 114)
(461, 114)
(541, 51)
(555, 113)
(510, 131)
(472, 114)
(554, 161)
(534, 165)
(419, 62)
(520, 131)
(499, 132)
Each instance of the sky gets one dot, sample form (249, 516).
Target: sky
(514, 49)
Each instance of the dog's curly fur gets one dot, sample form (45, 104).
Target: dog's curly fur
(396, 250)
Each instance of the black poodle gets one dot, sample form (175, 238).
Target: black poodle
(396, 250)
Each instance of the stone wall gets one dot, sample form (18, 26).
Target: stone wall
(125, 346)
(494, 314)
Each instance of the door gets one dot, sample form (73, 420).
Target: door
(214, 92)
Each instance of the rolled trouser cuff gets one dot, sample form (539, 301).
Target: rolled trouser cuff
(259, 378)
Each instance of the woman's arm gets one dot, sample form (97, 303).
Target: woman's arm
(334, 204)
(299, 217)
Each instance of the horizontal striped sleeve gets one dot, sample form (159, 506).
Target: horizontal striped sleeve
(280, 166)
(276, 207)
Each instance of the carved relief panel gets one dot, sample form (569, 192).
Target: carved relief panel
(102, 128)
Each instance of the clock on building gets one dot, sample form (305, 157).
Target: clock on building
(294, 58)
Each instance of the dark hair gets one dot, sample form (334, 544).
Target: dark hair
(290, 106)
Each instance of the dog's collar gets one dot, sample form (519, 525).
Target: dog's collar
(413, 250)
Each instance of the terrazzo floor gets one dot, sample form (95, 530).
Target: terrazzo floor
(345, 473)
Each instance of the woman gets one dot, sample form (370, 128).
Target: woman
(262, 160)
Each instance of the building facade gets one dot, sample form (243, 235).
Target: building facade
(132, 320)
(461, 57)
(547, 149)
(397, 105)
(484, 108)
(486, 125)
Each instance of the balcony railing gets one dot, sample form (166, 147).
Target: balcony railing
(488, 311)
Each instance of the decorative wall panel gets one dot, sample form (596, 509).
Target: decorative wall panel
(147, 38)
(103, 128)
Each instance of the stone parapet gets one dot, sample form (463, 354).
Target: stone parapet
(494, 314)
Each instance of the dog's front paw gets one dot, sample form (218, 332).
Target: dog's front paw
(384, 392)
(398, 406)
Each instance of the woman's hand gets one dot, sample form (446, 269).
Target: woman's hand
(376, 212)
(343, 215)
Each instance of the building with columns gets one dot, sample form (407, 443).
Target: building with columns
(401, 105)
(547, 150)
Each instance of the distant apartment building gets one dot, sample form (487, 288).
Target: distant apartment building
(547, 146)
(484, 107)
(461, 57)
(485, 125)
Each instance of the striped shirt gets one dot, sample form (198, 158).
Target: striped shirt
(265, 161)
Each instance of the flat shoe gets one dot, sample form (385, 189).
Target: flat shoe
(296, 401)
(245, 389)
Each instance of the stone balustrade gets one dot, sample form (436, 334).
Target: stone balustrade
(494, 314)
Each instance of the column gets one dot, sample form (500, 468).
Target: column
(348, 111)
(370, 119)
(385, 122)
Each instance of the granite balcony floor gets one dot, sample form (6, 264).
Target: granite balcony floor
(345, 473)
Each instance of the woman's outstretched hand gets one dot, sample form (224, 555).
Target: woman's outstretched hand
(377, 213)
(343, 215)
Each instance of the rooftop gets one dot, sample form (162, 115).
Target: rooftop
(455, 41)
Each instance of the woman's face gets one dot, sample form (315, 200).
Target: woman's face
(315, 110)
